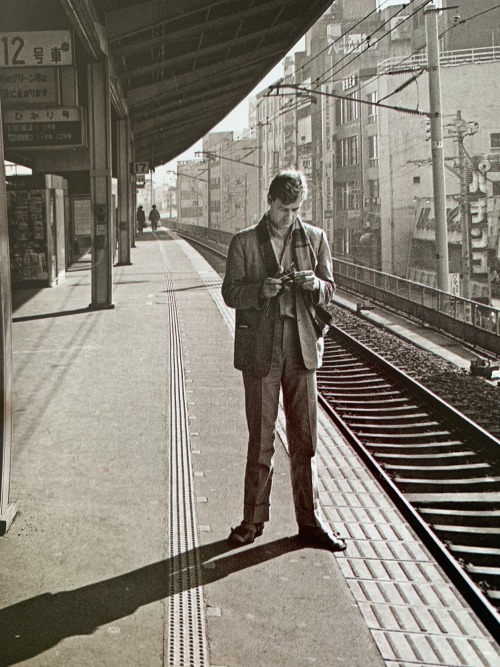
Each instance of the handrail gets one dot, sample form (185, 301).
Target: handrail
(464, 310)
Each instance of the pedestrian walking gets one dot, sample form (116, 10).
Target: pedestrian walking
(154, 218)
(279, 279)
(141, 219)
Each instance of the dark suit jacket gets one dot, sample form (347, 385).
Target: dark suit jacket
(250, 260)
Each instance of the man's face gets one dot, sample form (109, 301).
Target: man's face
(283, 215)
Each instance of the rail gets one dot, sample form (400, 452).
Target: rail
(417, 444)
(473, 322)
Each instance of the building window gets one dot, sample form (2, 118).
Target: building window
(373, 148)
(347, 152)
(416, 180)
(495, 140)
(348, 196)
(495, 188)
(373, 199)
(348, 109)
(372, 109)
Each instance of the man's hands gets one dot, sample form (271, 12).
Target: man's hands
(271, 287)
(307, 280)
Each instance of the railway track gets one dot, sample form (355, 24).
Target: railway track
(441, 468)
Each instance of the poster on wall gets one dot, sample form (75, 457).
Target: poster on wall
(82, 216)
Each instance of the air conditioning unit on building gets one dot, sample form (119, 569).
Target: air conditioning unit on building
(400, 28)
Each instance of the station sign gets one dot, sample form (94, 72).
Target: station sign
(29, 87)
(36, 48)
(43, 128)
(139, 168)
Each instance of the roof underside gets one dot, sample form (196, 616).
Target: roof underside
(185, 64)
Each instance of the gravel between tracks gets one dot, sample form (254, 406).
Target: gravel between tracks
(473, 396)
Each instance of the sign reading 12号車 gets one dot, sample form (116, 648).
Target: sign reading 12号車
(36, 48)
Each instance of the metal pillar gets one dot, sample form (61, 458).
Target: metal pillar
(100, 153)
(7, 509)
(124, 223)
(437, 147)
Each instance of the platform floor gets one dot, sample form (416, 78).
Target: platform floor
(129, 452)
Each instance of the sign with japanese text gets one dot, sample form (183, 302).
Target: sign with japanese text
(35, 48)
(29, 87)
(43, 128)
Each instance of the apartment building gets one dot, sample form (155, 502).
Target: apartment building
(368, 164)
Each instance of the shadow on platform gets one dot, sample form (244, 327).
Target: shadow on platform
(33, 626)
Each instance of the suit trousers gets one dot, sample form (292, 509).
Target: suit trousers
(298, 385)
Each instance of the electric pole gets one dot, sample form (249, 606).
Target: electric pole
(463, 129)
(437, 147)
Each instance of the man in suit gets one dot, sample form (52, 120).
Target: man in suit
(279, 279)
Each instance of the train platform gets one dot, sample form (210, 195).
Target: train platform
(128, 463)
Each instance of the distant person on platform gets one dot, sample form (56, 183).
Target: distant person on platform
(154, 218)
(279, 279)
(141, 219)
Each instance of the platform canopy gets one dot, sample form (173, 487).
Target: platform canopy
(185, 64)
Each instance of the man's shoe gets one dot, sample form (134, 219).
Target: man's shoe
(317, 537)
(245, 533)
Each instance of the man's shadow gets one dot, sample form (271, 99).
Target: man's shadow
(30, 627)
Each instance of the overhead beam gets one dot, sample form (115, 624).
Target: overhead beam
(125, 23)
(156, 124)
(129, 21)
(192, 94)
(170, 134)
(217, 24)
(260, 34)
(269, 54)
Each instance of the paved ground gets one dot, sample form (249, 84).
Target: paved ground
(83, 569)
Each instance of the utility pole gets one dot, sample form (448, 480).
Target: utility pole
(461, 129)
(437, 146)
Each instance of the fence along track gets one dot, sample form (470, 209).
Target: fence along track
(436, 460)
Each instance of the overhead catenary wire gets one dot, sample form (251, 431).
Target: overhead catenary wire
(226, 142)
(371, 80)
(371, 44)
(345, 34)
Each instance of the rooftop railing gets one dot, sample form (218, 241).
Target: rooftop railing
(447, 59)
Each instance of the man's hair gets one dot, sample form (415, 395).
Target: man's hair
(287, 185)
